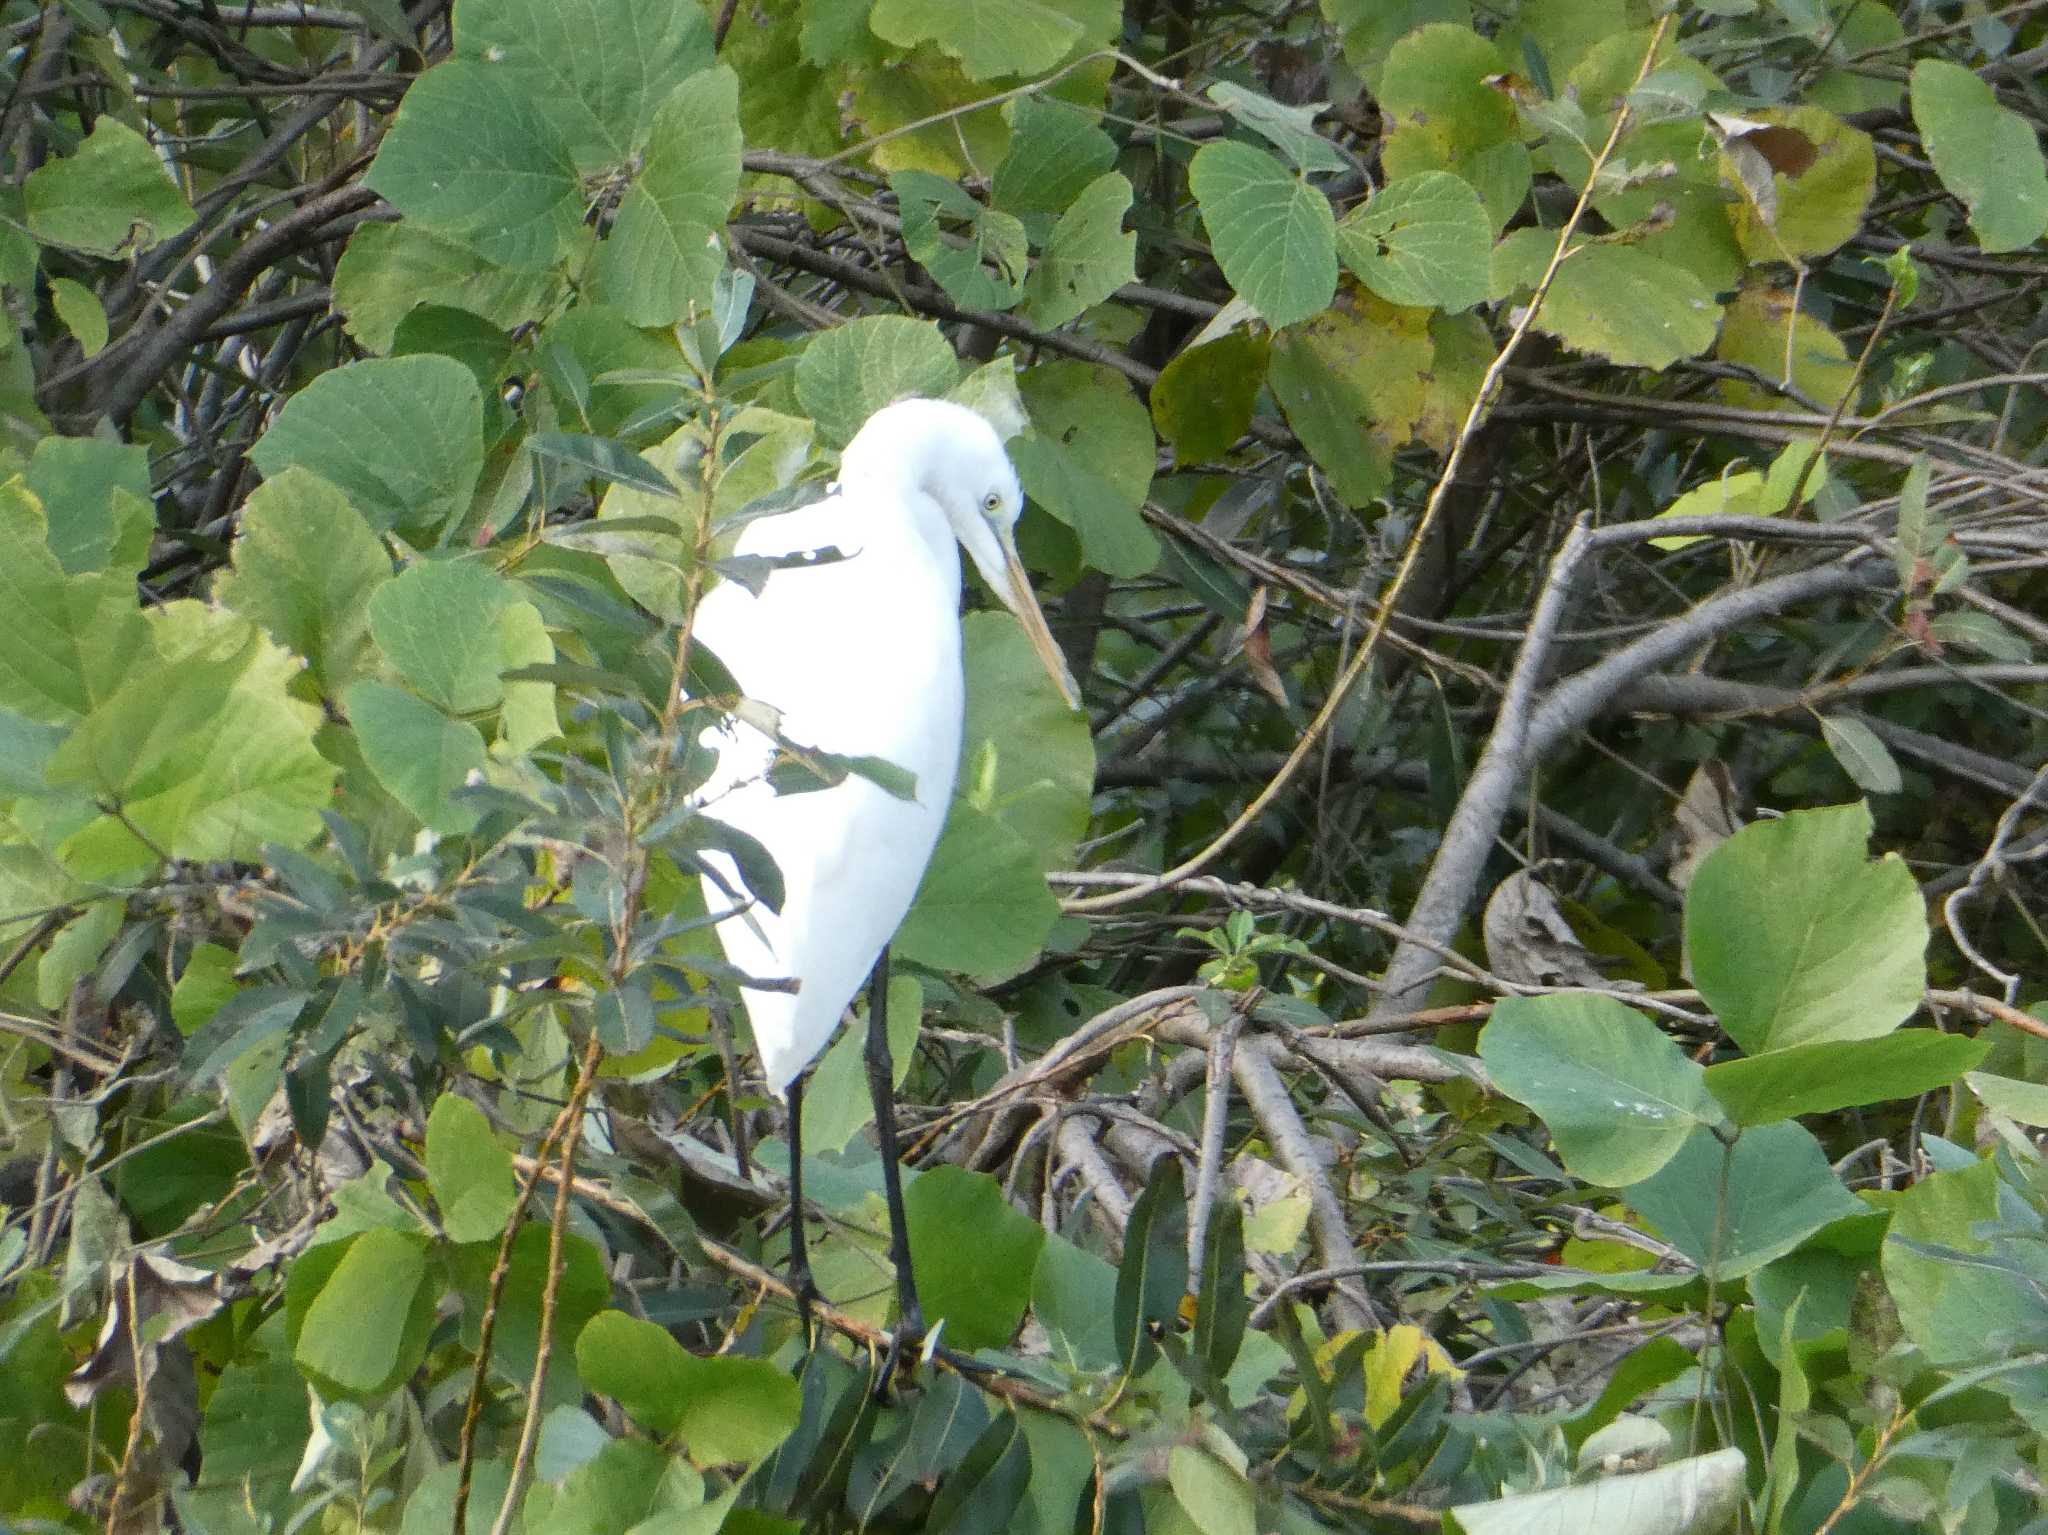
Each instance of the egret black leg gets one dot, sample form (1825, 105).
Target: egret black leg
(882, 1089)
(801, 1285)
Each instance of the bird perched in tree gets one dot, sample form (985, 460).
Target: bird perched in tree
(859, 655)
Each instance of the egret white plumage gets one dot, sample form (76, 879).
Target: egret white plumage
(860, 657)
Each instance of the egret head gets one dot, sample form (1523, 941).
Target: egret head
(953, 456)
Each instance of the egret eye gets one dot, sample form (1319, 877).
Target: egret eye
(992, 503)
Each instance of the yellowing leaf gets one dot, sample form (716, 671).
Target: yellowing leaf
(1733, 495)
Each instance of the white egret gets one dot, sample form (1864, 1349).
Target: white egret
(860, 657)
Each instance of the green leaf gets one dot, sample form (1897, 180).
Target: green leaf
(973, 1256)
(1761, 331)
(605, 458)
(71, 638)
(837, 1104)
(366, 1331)
(585, 1288)
(599, 70)
(2023, 1102)
(916, 1447)
(252, 1441)
(204, 987)
(1956, 1311)
(1697, 1496)
(1733, 1214)
(417, 753)
(201, 748)
(637, 1364)
(1291, 130)
(109, 196)
(1982, 633)
(726, 1409)
(667, 245)
(78, 307)
(1352, 383)
(472, 158)
(997, 37)
(1026, 758)
(390, 269)
(1088, 257)
(431, 1508)
(1204, 398)
(1073, 1295)
(1425, 239)
(402, 438)
(1063, 1468)
(437, 624)
(469, 1172)
(1840, 1074)
(1153, 1277)
(847, 374)
(984, 908)
(95, 494)
(961, 264)
(1216, 1500)
(983, 1491)
(306, 566)
(1795, 938)
(527, 715)
(1862, 754)
(1056, 151)
(1618, 1095)
(1222, 1308)
(1088, 460)
(1443, 111)
(1737, 494)
(1629, 307)
(1984, 153)
(75, 950)
(1273, 234)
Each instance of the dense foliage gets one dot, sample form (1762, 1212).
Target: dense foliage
(1507, 1013)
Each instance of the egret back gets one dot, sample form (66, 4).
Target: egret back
(861, 657)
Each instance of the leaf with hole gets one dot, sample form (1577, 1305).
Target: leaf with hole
(1425, 239)
(1088, 257)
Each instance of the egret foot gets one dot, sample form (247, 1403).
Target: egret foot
(906, 1343)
